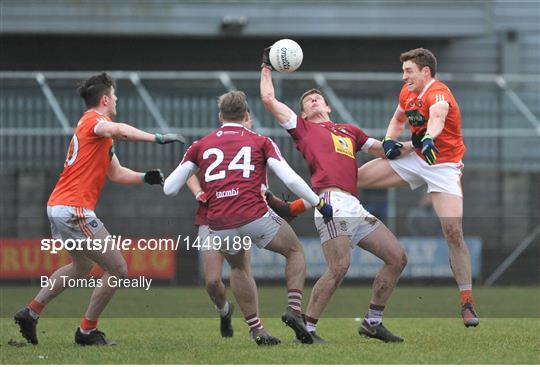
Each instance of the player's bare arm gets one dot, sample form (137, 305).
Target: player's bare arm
(122, 131)
(123, 175)
(437, 118)
(194, 186)
(280, 110)
(435, 125)
(397, 123)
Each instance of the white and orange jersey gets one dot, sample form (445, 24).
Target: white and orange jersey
(416, 107)
(87, 161)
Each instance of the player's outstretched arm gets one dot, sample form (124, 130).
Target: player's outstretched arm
(281, 111)
(121, 131)
(287, 210)
(123, 175)
(296, 184)
(178, 178)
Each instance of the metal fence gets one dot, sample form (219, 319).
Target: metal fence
(38, 111)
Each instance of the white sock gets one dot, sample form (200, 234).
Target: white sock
(34, 315)
(311, 327)
(465, 287)
(225, 310)
(86, 332)
(374, 317)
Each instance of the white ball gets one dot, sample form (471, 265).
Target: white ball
(286, 56)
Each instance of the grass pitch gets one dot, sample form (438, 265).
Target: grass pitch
(194, 339)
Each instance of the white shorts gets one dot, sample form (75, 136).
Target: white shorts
(261, 231)
(444, 177)
(350, 219)
(73, 222)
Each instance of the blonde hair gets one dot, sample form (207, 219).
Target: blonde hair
(233, 106)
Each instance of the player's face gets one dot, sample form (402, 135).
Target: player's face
(414, 78)
(313, 105)
(110, 102)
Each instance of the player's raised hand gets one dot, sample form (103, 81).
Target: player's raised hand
(429, 150)
(326, 210)
(266, 59)
(391, 147)
(154, 177)
(169, 138)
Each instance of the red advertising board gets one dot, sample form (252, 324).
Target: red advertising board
(24, 259)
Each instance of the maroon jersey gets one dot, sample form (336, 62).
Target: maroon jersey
(232, 160)
(200, 215)
(329, 149)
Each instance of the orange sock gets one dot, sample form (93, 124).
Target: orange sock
(36, 306)
(88, 324)
(466, 297)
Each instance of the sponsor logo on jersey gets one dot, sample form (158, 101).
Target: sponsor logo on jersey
(343, 145)
(219, 133)
(415, 118)
(227, 193)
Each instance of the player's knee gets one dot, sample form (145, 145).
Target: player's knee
(212, 283)
(83, 268)
(120, 271)
(402, 260)
(453, 234)
(398, 260)
(339, 270)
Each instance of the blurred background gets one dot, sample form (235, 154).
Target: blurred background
(173, 58)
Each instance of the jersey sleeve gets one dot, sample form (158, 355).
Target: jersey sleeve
(439, 95)
(299, 130)
(360, 137)
(271, 150)
(89, 127)
(192, 153)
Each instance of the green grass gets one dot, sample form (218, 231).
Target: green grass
(195, 340)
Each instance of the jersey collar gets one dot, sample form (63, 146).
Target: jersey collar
(426, 88)
(231, 124)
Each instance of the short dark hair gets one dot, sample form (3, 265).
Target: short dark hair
(233, 105)
(308, 93)
(421, 57)
(92, 89)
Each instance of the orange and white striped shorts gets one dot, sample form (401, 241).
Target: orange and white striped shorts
(73, 222)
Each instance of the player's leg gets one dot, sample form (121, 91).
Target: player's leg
(287, 244)
(115, 267)
(212, 265)
(245, 293)
(449, 209)
(378, 174)
(382, 243)
(27, 317)
(337, 253)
